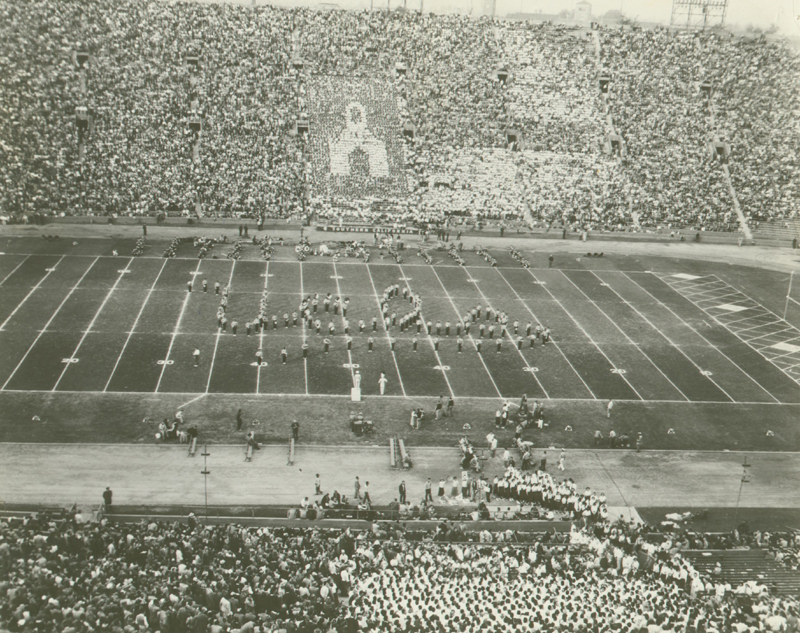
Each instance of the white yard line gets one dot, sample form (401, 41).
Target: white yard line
(754, 316)
(585, 333)
(713, 298)
(625, 334)
(342, 317)
(175, 331)
(49, 321)
(730, 360)
(749, 329)
(664, 336)
(535, 318)
(472, 340)
(261, 329)
(754, 338)
(94, 319)
(16, 268)
(385, 329)
(135, 323)
(430, 340)
(27, 296)
(302, 296)
(514, 346)
(219, 333)
(690, 283)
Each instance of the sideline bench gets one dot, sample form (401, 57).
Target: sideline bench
(392, 452)
(248, 455)
(193, 447)
(403, 453)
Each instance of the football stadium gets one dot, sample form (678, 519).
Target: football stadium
(399, 318)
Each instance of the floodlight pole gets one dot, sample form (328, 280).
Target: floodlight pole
(742, 482)
(206, 472)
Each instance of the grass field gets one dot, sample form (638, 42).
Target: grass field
(80, 329)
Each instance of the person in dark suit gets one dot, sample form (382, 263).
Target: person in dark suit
(402, 490)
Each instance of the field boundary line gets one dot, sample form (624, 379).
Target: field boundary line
(300, 394)
(302, 296)
(49, 321)
(535, 318)
(16, 268)
(381, 449)
(585, 333)
(625, 334)
(92, 322)
(219, 331)
(135, 323)
(283, 259)
(261, 325)
(471, 340)
(385, 329)
(430, 340)
(32, 290)
(687, 324)
(665, 337)
(175, 331)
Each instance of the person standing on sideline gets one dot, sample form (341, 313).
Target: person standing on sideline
(107, 494)
(550, 261)
(296, 430)
(317, 485)
(239, 420)
(382, 383)
(144, 230)
(561, 459)
(402, 490)
(367, 500)
(196, 355)
(609, 407)
(428, 487)
(543, 463)
(598, 436)
(639, 441)
(357, 489)
(450, 405)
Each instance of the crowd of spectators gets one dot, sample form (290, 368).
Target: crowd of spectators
(461, 86)
(672, 93)
(67, 576)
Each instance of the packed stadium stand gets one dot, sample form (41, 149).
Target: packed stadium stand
(226, 110)
(59, 575)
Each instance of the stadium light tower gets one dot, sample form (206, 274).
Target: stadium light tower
(205, 472)
(744, 479)
(698, 14)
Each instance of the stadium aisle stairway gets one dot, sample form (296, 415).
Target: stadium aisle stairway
(740, 566)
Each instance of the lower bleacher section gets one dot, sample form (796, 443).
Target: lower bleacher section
(737, 567)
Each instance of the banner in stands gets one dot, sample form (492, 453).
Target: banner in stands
(355, 137)
(366, 229)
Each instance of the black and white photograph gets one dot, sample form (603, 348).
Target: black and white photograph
(399, 316)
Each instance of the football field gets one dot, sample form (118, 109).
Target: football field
(99, 324)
